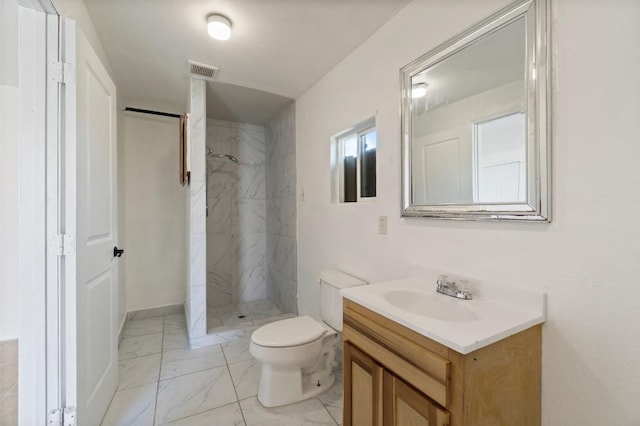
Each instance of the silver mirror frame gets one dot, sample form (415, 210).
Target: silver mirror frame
(537, 208)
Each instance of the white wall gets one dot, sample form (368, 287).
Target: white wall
(587, 259)
(9, 288)
(9, 138)
(155, 212)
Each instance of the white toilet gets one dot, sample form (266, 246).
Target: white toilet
(298, 354)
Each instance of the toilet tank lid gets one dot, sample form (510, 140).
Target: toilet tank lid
(288, 332)
(340, 279)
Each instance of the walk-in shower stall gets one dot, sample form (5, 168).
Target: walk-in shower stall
(244, 250)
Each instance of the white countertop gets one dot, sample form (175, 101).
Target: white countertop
(501, 312)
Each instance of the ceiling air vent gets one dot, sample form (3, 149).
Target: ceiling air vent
(201, 71)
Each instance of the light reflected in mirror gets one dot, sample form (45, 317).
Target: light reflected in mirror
(474, 144)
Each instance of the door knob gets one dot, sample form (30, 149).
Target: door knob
(117, 252)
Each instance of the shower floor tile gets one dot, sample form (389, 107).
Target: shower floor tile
(242, 315)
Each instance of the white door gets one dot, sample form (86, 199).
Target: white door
(96, 236)
(441, 167)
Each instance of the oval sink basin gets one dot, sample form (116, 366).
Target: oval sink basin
(434, 306)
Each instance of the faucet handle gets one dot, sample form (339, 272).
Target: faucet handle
(464, 292)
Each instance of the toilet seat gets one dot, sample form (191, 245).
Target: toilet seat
(288, 332)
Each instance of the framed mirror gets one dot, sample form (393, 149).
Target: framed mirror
(475, 122)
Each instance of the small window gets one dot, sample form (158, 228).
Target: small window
(354, 163)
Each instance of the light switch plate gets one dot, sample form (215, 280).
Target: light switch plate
(382, 225)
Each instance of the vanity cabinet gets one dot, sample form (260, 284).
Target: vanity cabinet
(379, 397)
(396, 376)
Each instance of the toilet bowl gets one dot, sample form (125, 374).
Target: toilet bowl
(298, 355)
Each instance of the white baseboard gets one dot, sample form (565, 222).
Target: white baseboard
(123, 324)
(155, 312)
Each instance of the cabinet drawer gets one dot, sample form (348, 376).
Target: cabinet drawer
(430, 375)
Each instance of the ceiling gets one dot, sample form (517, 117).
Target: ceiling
(278, 48)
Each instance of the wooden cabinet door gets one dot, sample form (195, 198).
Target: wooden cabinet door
(405, 406)
(362, 388)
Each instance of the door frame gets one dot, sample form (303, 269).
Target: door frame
(47, 137)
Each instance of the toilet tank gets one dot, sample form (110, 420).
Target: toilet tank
(331, 282)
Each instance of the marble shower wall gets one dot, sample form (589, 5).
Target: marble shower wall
(195, 304)
(236, 224)
(281, 211)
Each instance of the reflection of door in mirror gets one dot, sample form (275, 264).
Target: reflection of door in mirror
(441, 164)
(500, 172)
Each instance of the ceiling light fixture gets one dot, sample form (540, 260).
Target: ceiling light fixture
(419, 90)
(219, 27)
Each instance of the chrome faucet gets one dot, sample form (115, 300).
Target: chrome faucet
(451, 289)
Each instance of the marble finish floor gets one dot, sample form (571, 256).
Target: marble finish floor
(162, 381)
(9, 383)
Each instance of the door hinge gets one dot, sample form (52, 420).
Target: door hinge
(54, 418)
(62, 417)
(62, 244)
(62, 72)
(69, 416)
